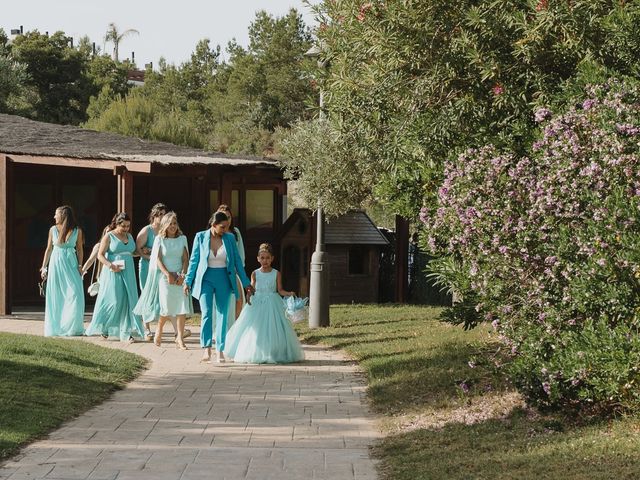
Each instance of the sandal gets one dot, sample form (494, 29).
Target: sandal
(157, 340)
(181, 345)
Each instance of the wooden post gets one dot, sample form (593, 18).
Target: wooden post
(226, 187)
(402, 259)
(5, 237)
(125, 189)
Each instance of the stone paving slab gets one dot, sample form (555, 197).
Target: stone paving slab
(185, 420)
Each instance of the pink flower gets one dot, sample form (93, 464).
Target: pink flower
(497, 89)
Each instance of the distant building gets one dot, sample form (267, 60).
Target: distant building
(353, 244)
(135, 77)
(44, 165)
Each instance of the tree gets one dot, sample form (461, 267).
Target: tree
(114, 36)
(13, 76)
(57, 73)
(233, 106)
(413, 83)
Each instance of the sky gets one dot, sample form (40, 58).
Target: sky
(168, 28)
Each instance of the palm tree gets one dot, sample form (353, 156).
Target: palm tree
(113, 35)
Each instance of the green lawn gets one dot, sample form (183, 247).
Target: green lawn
(45, 381)
(445, 420)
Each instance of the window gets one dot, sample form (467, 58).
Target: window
(259, 209)
(235, 203)
(358, 260)
(213, 201)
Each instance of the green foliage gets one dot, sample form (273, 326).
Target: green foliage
(413, 83)
(57, 72)
(12, 76)
(230, 106)
(45, 381)
(546, 246)
(318, 141)
(138, 116)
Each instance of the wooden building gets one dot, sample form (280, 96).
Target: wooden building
(44, 165)
(353, 244)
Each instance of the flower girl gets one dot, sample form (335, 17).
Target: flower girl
(262, 333)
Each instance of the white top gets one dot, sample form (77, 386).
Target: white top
(219, 259)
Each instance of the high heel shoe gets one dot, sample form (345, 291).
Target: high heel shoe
(180, 345)
(157, 340)
(220, 357)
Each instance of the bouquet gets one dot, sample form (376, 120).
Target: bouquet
(296, 309)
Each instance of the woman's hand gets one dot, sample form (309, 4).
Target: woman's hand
(145, 251)
(171, 278)
(185, 289)
(43, 273)
(249, 291)
(114, 268)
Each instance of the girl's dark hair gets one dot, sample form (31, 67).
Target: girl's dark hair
(158, 210)
(68, 222)
(117, 219)
(218, 217)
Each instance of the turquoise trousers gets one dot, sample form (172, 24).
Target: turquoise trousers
(215, 283)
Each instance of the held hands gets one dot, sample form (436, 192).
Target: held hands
(249, 291)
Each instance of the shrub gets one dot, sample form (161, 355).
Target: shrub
(549, 247)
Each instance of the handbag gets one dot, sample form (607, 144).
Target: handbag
(42, 288)
(94, 287)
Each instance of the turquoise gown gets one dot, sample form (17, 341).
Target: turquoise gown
(262, 333)
(157, 291)
(143, 273)
(64, 303)
(118, 294)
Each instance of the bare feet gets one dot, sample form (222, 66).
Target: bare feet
(206, 355)
(220, 357)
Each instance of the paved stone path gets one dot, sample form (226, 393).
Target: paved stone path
(184, 420)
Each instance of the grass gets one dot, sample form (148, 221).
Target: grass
(444, 419)
(45, 381)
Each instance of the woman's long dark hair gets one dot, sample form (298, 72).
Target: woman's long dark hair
(218, 217)
(68, 222)
(117, 219)
(225, 209)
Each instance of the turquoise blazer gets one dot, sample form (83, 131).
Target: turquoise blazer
(199, 262)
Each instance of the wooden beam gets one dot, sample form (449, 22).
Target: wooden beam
(5, 240)
(226, 187)
(402, 259)
(124, 182)
(97, 163)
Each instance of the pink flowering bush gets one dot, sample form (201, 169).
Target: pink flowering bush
(547, 248)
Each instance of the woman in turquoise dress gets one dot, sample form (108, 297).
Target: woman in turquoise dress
(144, 244)
(262, 333)
(64, 299)
(168, 262)
(118, 294)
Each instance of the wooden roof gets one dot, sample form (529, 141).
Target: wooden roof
(21, 136)
(352, 228)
